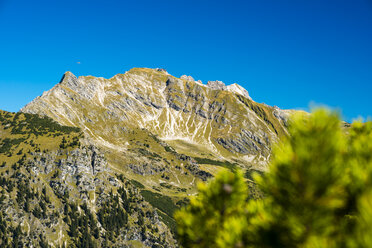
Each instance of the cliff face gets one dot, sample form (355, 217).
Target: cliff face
(219, 120)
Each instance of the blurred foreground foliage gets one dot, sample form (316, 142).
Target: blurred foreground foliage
(317, 193)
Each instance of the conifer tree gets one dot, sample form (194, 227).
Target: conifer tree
(317, 193)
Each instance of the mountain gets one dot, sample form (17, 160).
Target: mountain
(106, 162)
(215, 121)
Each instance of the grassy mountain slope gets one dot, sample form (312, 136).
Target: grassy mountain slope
(179, 111)
(163, 134)
(57, 190)
(194, 119)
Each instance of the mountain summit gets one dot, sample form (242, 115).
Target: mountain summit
(216, 120)
(122, 154)
(97, 162)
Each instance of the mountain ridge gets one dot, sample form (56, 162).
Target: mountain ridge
(122, 154)
(151, 134)
(72, 82)
(153, 125)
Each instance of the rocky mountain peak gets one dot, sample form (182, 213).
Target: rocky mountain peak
(188, 78)
(69, 79)
(221, 120)
(216, 85)
(236, 88)
(165, 132)
(144, 136)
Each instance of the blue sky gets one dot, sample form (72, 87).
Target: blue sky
(286, 53)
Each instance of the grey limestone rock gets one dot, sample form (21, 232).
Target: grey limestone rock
(216, 85)
(188, 78)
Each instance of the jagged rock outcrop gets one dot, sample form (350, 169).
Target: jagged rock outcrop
(216, 85)
(188, 78)
(237, 89)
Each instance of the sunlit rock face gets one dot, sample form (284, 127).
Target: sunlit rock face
(147, 131)
(220, 119)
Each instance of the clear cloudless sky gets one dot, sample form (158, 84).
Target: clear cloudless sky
(288, 53)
